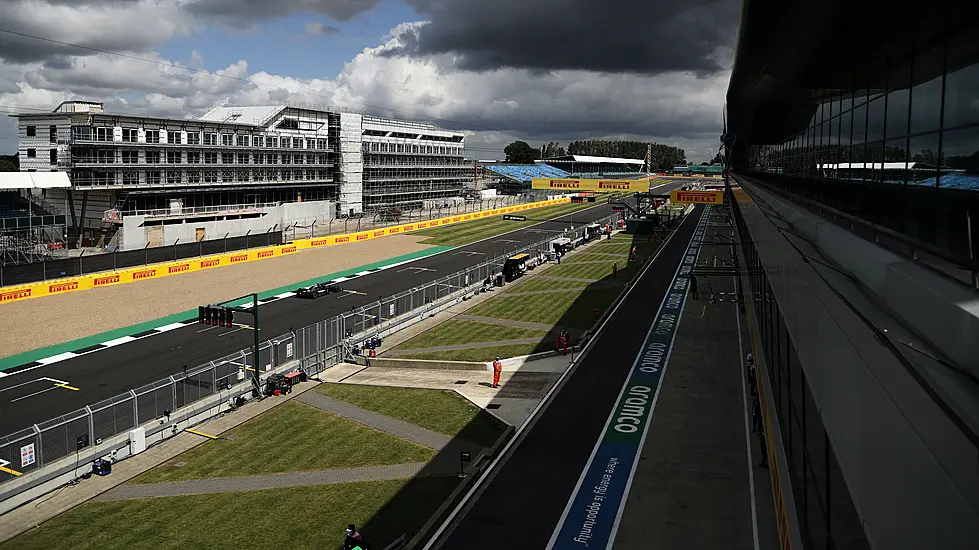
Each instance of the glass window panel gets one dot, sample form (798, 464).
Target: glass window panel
(875, 120)
(896, 151)
(898, 86)
(962, 81)
(859, 125)
(874, 156)
(846, 102)
(815, 512)
(815, 445)
(926, 95)
(859, 97)
(923, 151)
(846, 528)
(960, 159)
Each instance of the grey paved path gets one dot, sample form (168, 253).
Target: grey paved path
(270, 481)
(504, 322)
(380, 422)
(453, 347)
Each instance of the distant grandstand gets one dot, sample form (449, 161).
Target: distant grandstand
(516, 178)
(709, 170)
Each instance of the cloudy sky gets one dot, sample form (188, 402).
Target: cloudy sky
(548, 70)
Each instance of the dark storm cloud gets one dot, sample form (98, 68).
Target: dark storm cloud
(637, 36)
(243, 13)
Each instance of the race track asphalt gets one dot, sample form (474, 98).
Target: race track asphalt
(521, 504)
(112, 371)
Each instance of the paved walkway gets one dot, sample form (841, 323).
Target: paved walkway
(454, 347)
(377, 421)
(268, 481)
(504, 322)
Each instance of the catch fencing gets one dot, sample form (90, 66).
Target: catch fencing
(313, 349)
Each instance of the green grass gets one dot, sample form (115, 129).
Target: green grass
(472, 231)
(464, 332)
(290, 437)
(294, 518)
(437, 410)
(572, 309)
(535, 284)
(483, 355)
(595, 272)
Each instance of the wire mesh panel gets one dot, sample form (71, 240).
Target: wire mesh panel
(199, 384)
(113, 416)
(285, 349)
(228, 370)
(153, 399)
(22, 451)
(64, 435)
(265, 357)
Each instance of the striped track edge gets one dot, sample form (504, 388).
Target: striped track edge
(172, 326)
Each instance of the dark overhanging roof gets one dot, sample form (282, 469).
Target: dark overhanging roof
(792, 52)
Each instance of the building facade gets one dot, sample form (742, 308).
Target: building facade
(238, 156)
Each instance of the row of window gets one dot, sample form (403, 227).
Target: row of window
(933, 124)
(177, 137)
(52, 133)
(825, 508)
(381, 147)
(135, 156)
(176, 177)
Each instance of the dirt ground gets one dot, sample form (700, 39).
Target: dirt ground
(40, 322)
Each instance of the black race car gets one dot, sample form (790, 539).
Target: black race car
(317, 290)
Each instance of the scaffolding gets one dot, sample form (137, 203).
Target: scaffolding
(32, 239)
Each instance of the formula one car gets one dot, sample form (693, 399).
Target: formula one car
(317, 290)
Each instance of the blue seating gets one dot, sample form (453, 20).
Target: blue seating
(526, 172)
(952, 181)
(12, 205)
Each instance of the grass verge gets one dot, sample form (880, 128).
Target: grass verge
(298, 517)
(470, 232)
(572, 309)
(464, 332)
(437, 410)
(483, 355)
(290, 437)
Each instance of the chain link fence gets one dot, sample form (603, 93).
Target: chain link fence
(313, 349)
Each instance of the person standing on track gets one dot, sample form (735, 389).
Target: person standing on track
(497, 371)
(615, 270)
(633, 254)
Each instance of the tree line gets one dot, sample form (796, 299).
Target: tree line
(662, 156)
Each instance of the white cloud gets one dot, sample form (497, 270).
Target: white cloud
(498, 106)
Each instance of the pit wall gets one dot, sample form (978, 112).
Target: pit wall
(110, 278)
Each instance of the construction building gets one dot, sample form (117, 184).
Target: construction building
(229, 171)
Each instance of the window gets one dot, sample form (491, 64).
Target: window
(173, 177)
(321, 144)
(926, 97)
(286, 175)
(130, 157)
(210, 158)
(130, 135)
(242, 141)
(193, 157)
(323, 159)
(960, 153)
(193, 137)
(53, 134)
(286, 158)
(227, 158)
(273, 141)
(83, 133)
(105, 156)
(375, 147)
(153, 178)
(242, 175)
(210, 139)
(173, 137)
(258, 158)
(227, 175)
(297, 159)
(258, 141)
(103, 134)
(286, 142)
(31, 153)
(130, 178)
(173, 157)
(194, 176)
(152, 136)
(243, 158)
(152, 157)
(273, 158)
(210, 176)
(227, 140)
(961, 92)
(32, 131)
(53, 155)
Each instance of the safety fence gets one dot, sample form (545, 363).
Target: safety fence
(171, 267)
(313, 349)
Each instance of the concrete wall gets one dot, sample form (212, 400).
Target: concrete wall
(135, 235)
(911, 470)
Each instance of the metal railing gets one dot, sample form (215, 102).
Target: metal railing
(115, 214)
(313, 349)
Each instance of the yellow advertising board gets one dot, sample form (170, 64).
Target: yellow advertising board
(154, 271)
(696, 197)
(578, 184)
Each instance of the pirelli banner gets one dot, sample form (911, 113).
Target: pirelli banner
(154, 271)
(696, 197)
(577, 184)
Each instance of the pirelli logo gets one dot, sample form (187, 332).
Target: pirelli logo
(363, 237)
(266, 253)
(320, 242)
(15, 295)
(343, 240)
(289, 250)
(102, 281)
(62, 287)
(379, 233)
(394, 230)
(178, 268)
(145, 274)
(239, 258)
(210, 263)
(457, 218)
(467, 217)
(409, 228)
(446, 222)
(619, 186)
(422, 225)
